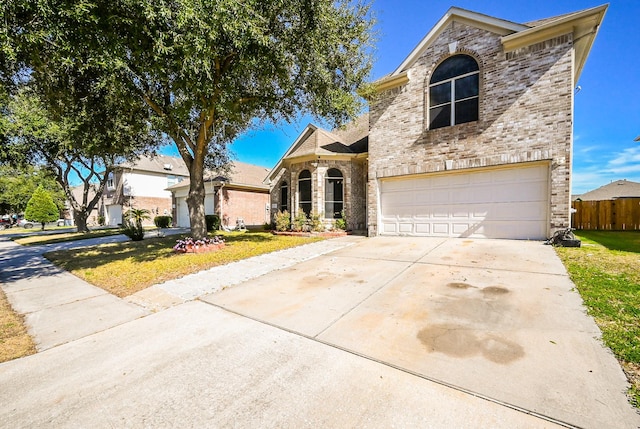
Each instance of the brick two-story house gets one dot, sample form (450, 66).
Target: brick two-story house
(470, 136)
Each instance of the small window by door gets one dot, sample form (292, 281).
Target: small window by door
(304, 191)
(333, 194)
(284, 196)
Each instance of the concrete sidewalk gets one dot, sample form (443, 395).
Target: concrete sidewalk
(58, 307)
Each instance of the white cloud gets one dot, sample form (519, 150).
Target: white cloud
(630, 155)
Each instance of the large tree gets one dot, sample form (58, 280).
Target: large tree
(79, 142)
(207, 69)
(17, 185)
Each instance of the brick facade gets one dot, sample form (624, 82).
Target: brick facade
(251, 206)
(525, 115)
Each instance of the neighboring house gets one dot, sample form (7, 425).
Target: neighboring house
(612, 191)
(471, 136)
(238, 195)
(142, 185)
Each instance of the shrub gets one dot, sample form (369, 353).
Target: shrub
(162, 221)
(132, 224)
(133, 230)
(282, 220)
(213, 222)
(299, 222)
(342, 222)
(101, 220)
(316, 222)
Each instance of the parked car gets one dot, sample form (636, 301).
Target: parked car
(6, 222)
(25, 223)
(29, 224)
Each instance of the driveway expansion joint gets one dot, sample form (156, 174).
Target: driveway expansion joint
(399, 368)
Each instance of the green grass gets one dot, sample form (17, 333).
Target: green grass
(125, 268)
(606, 271)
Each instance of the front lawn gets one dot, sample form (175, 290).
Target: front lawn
(126, 268)
(606, 272)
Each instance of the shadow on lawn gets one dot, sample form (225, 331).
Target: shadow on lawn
(626, 241)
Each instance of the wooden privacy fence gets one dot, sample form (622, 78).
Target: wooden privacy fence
(622, 214)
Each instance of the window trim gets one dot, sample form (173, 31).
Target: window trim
(452, 94)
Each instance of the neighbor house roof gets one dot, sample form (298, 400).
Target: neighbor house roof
(158, 164)
(613, 190)
(583, 25)
(241, 175)
(349, 140)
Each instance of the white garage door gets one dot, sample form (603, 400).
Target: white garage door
(182, 213)
(504, 203)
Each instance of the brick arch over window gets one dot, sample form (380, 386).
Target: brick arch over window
(454, 92)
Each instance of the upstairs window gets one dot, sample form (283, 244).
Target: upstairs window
(333, 194)
(304, 191)
(284, 196)
(454, 92)
(110, 183)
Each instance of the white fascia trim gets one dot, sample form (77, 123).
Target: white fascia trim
(463, 15)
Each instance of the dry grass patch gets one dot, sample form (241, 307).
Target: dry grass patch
(15, 342)
(606, 272)
(126, 268)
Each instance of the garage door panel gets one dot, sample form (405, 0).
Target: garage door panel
(502, 203)
(441, 228)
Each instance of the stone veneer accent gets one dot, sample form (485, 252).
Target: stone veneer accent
(355, 180)
(525, 115)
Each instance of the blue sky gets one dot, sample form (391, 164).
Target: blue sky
(607, 108)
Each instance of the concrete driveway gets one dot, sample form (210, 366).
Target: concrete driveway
(498, 319)
(386, 332)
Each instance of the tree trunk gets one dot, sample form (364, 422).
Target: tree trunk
(195, 203)
(80, 219)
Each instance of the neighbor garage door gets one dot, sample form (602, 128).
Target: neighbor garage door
(495, 203)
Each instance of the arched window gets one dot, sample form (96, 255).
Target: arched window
(284, 196)
(110, 183)
(304, 191)
(333, 194)
(454, 92)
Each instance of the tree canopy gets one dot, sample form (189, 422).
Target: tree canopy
(17, 185)
(203, 69)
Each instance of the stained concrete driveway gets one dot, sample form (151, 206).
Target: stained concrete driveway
(386, 332)
(497, 319)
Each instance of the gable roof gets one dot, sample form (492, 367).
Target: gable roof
(158, 164)
(314, 142)
(613, 190)
(241, 175)
(583, 24)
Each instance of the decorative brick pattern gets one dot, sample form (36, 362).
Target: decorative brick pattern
(526, 101)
